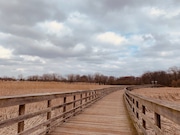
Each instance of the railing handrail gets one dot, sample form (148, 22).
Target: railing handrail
(137, 106)
(158, 102)
(6, 101)
(79, 100)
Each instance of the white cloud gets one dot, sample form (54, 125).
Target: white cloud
(32, 58)
(111, 38)
(45, 44)
(157, 12)
(77, 18)
(79, 47)
(20, 69)
(166, 53)
(55, 28)
(80, 21)
(4, 35)
(174, 37)
(144, 40)
(5, 53)
(135, 39)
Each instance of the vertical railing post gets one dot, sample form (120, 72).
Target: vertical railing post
(74, 104)
(133, 103)
(95, 94)
(81, 101)
(157, 118)
(102, 93)
(21, 112)
(144, 112)
(48, 114)
(137, 106)
(89, 95)
(98, 94)
(85, 97)
(92, 95)
(64, 108)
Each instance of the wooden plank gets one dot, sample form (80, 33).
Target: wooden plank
(107, 116)
(21, 124)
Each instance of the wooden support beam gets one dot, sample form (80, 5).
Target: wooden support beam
(48, 115)
(157, 119)
(21, 112)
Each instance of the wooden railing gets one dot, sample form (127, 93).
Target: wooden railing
(57, 108)
(147, 113)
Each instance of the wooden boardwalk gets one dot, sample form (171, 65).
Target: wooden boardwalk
(108, 116)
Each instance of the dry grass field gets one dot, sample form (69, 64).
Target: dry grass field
(166, 94)
(163, 93)
(18, 88)
(23, 88)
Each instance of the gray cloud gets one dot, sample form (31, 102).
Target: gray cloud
(29, 12)
(84, 36)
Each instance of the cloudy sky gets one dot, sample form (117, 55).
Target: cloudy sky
(111, 37)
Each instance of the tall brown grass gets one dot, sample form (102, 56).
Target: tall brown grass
(18, 88)
(164, 93)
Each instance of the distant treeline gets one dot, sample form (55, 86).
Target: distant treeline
(166, 78)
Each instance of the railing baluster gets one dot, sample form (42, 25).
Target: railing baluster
(64, 108)
(92, 93)
(137, 107)
(21, 112)
(81, 100)
(74, 104)
(85, 97)
(157, 119)
(48, 114)
(144, 112)
(89, 96)
(137, 104)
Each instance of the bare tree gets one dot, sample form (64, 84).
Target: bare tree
(71, 78)
(20, 77)
(111, 80)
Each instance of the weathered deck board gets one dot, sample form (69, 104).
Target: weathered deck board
(106, 117)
